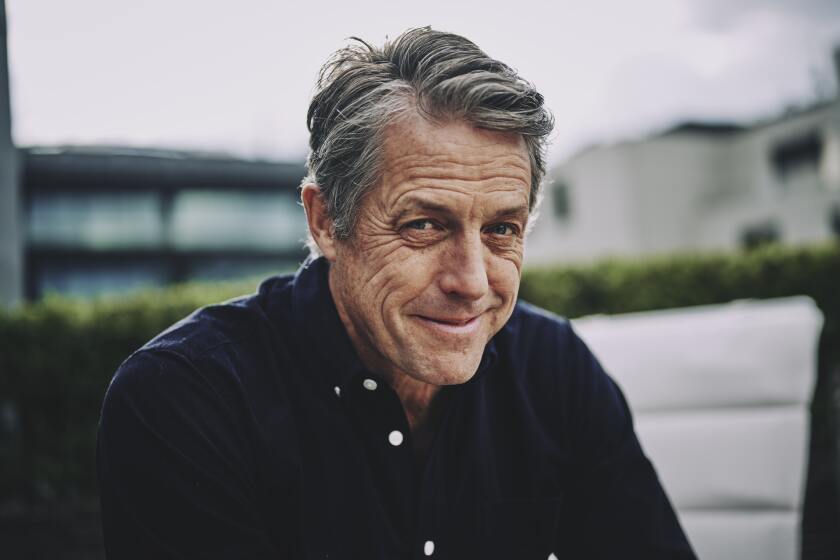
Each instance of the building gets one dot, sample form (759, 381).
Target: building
(11, 262)
(697, 187)
(85, 221)
(104, 220)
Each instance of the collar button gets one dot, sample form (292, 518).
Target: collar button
(369, 384)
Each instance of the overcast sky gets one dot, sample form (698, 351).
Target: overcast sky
(236, 76)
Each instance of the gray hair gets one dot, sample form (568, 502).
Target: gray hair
(362, 89)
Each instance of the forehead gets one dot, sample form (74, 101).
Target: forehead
(452, 158)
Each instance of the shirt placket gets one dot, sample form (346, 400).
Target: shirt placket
(436, 497)
(385, 431)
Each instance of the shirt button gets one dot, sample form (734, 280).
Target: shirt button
(552, 556)
(337, 390)
(369, 384)
(429, 548)
(395, 438)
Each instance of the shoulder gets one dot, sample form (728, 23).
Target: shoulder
(539, 354)
(557, 370)
(226, 323)
(207, 352)
(543, 344)
(538, 336)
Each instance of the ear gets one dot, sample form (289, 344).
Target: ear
(320, 224)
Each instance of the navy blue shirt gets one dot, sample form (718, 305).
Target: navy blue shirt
(251, 429)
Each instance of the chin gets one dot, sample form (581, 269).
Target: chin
(453, 370)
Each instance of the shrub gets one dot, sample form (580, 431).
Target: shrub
(56, 359)
(58, 355)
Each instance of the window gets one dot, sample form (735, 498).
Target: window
(760, 234)
(95, 220)
(560, 198)
(71, 278)
(231, 268)
(796, 156)
(834, 220)
(236, 220)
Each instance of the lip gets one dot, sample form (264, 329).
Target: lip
(447, 325)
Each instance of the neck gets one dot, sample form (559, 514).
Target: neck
(417, 399)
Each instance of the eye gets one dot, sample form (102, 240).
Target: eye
(420, 225)
(503, 229)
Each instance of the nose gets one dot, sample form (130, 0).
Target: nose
(464, 272)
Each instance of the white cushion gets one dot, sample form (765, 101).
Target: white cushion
(743, 535)
(729, 458)
(720, 397)
(743, 353)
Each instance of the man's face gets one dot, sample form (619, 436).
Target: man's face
(432, 270)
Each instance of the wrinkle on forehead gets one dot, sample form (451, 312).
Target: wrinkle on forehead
(414, 135)
(467, 166)
(453, 155)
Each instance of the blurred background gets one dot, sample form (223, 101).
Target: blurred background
(163, 141)
(147, 144)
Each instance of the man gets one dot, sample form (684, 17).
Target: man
(392, 399)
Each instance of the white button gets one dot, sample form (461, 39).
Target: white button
(337, 390)
(429, 548)
(552, 556)
(369, 384)
(395, 438)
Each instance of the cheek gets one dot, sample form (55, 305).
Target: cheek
(504, 279)
(392, 281)
(406, 277)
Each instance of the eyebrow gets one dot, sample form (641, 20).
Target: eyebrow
(416, 204)
(519, 211)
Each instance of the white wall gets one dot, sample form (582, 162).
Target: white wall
(690, 191)
(601, 220)
(673, 177)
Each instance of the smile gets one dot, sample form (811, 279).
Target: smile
(451, 325)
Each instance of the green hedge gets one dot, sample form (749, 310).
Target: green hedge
(57, 355)
(56, 359)
(771, 271)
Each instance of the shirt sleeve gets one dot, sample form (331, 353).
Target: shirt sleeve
(175, 474)
(621, 508)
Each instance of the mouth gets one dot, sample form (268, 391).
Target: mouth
(451, 325)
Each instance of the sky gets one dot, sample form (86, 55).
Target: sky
(236, 77)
